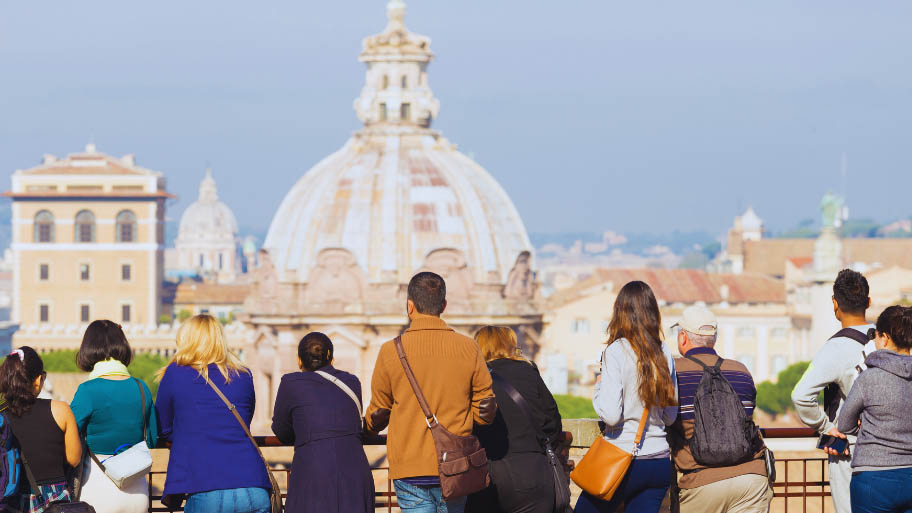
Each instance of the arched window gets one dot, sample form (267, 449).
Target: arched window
(126, 227)
(85, 227)
(404, 82)
(44, 226)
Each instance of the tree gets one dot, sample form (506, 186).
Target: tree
(776, 398)
(183, 315)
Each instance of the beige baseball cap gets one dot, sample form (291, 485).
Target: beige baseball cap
(695, 319)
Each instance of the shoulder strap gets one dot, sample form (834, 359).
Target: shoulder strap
(701, 364)
(640, 429)
(345, 388)
(520, 401)
(31, 478)
(277, 492)
(428, 414)
(853, 334)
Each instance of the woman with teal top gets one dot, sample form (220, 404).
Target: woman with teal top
(110, 415)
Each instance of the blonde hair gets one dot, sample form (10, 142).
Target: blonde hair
(498, 342)
(201, 342)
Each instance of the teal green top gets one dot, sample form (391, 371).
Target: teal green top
(109, 414)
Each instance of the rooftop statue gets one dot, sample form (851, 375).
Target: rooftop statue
(831, 208)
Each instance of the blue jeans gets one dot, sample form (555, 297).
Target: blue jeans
(882, 491)
(236, 500)
(425, 499)
(642, 489)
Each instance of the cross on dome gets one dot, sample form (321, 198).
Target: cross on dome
(208, 193)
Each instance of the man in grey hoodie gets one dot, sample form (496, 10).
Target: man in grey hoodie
(882, 399)
(834, 370)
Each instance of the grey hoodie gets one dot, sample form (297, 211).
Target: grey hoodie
(882, 398)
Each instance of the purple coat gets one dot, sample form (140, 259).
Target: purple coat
(330, 472)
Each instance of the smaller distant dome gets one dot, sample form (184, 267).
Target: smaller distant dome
(207, 218)
(750, 221)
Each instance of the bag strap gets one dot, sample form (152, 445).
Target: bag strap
(345, 388)
(717, 365)
(428, 414)
(853, 334)
(31, 478)
(275, 485)
(142, 398)
(521, 402)
(640, 430)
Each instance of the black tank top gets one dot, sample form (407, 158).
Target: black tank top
(41, 440)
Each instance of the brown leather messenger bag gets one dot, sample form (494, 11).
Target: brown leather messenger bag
(461, 461)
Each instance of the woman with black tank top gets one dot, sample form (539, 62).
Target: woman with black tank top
(46, 429)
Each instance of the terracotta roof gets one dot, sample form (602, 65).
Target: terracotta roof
(194, 292)
(768, 256)
(684, 286)
(800, 262)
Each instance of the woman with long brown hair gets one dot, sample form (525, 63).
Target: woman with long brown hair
(637, 380)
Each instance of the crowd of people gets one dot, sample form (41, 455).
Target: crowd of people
(471, 425)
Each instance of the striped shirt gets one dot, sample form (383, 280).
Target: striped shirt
(689, 380)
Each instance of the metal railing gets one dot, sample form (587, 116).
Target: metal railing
(800, 482)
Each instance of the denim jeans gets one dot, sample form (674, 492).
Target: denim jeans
(236, 500)
(882, 491)
(425, 499)
(642, 489)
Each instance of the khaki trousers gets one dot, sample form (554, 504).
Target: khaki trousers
(749, 493)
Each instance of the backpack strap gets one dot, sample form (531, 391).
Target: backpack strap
(853, 334)
(717, 366)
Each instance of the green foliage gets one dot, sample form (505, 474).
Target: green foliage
(776, 398)
(183, 315)
(572, 407)
(693, 260)
(164, 319)
(711, 250)
(143, 366)
(860, 228)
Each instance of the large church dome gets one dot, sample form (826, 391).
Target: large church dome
(397, 197)
(207, 238)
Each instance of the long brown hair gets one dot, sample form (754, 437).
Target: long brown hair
(636, 318)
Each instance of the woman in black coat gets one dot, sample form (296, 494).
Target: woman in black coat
(330, 473)
(521, 476)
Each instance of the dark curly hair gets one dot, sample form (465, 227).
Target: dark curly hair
(103, 340)
(17, 378)
(850, 290)
(896, 321)
(315, 351)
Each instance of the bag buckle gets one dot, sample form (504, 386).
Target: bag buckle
(427, 420)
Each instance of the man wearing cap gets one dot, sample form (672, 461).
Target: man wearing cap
(737, 488)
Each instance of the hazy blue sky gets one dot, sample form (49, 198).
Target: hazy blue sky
(631, 116)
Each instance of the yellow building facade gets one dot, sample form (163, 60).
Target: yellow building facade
(88, 243)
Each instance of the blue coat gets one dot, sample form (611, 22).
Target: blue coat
(209, 450)
(330, 472)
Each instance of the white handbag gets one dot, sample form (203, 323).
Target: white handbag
(135, 461)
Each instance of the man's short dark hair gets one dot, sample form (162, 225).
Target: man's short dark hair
(103, 340)
(851, 292)
(428, 291)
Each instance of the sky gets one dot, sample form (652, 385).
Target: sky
(593, 115)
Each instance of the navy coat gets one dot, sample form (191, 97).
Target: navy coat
(330, 472)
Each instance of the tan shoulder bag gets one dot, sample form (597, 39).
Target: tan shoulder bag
(604, 466)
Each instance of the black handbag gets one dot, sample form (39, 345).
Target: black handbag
(55, 507)
(558, 468)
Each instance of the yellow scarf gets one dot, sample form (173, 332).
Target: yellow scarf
(109, 367)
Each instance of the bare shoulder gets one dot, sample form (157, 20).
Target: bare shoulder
(62, 413)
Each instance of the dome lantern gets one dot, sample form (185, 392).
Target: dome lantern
(396, 92)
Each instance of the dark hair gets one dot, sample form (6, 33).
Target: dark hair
(637, 318)
(896, 321)
(428, 291)
(850, 290)
(17, 378)
(103, 340)
(315, 351)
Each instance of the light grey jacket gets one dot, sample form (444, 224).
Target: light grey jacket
(882, 398)
(839, 361)
(617, 401)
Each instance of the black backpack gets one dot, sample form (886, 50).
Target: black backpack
(723, 434)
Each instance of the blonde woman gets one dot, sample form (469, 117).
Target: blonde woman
(212, 460)
(520, 470)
